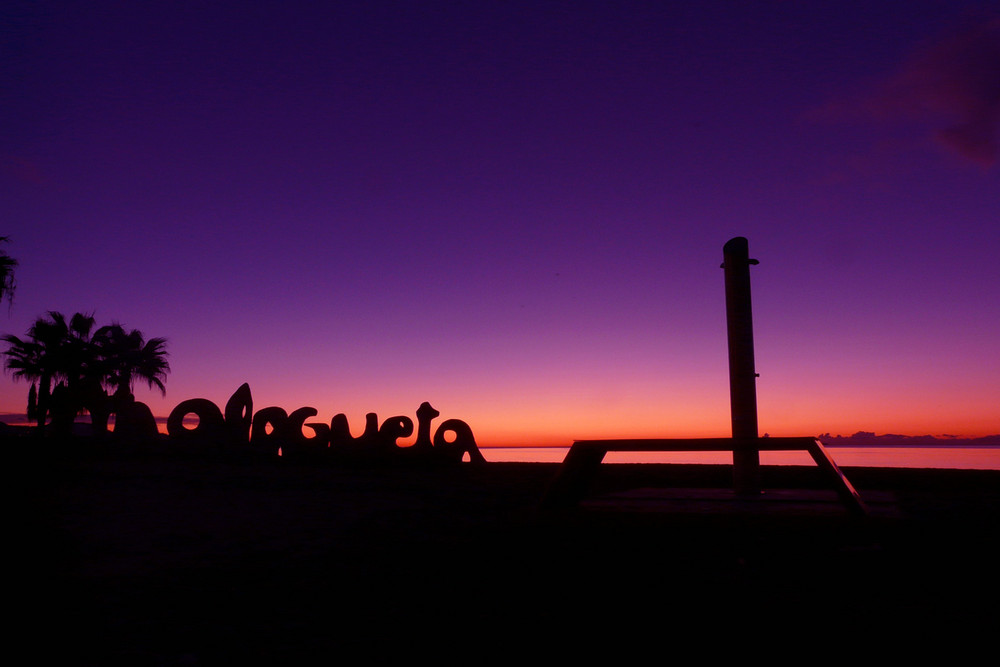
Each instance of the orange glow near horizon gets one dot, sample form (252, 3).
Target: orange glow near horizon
(519, 417)
(515, 423)
(511, 416)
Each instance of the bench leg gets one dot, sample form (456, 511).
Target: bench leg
(848, 494)
(573, 478)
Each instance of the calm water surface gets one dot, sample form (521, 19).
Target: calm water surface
(978, 458)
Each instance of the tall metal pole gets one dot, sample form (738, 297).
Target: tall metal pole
(742, 375)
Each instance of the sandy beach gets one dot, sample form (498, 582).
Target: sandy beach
(168, 560)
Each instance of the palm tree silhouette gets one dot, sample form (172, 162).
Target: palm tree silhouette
(7, 265)
(78, 363)
(54, 350)
(74, 365)
(82, 364)
(126, 356)
(29, 359)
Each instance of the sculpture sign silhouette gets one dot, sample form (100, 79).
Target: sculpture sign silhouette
(274, 431)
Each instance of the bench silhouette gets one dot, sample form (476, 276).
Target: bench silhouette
(578, 469)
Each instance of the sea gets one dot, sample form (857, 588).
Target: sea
(960, 457)
(902, 456)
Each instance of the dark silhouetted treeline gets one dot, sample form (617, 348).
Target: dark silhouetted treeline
(73, 367)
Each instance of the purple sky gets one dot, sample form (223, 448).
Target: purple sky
(516, 210)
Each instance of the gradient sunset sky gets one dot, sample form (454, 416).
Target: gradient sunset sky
(516, 210)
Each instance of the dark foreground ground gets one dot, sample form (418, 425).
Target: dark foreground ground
(153, 560)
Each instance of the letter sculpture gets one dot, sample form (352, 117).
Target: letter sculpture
(272, 431)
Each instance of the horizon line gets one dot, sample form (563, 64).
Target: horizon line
(15, 419)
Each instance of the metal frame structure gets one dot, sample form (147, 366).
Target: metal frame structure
(585, 456)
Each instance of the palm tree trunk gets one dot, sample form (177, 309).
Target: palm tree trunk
(44, 392)
(32, 402)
